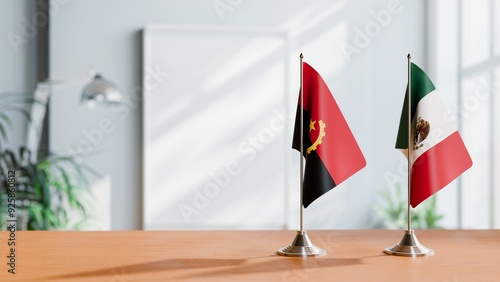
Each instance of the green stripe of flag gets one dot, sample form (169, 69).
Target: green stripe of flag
(421, 85)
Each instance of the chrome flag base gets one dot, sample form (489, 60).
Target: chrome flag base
(409, 247)
(301, 247)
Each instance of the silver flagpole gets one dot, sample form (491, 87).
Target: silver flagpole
(301, 245)
(410, 144)
(409, 245)
(301, 141)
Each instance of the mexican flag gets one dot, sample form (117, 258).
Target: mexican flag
(331, 152)
(437, 154)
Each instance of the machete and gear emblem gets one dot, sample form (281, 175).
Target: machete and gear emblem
(319, 139)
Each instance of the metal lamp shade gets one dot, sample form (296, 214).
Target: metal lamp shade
(102, 91)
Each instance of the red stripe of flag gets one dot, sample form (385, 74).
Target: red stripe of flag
(339, 151)
(437, 167)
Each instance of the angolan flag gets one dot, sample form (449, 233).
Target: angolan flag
(437, 153)
(330, 150)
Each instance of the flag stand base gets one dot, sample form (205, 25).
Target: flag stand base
(301, 247)
(409, 247)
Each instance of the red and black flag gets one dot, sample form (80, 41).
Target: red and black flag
(332, 154)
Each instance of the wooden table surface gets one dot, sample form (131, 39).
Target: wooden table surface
(354, 255)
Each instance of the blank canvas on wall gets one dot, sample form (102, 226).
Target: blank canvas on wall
(216, 128)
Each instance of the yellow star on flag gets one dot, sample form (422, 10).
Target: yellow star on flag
(312, 124)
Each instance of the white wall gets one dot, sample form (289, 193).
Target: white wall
(368, 85)
(17, 58)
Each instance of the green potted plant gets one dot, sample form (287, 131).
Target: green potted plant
(392, 213)
(50, 193)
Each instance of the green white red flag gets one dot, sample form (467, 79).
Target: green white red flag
(437, 155)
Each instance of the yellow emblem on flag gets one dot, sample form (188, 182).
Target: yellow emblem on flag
(321, 134)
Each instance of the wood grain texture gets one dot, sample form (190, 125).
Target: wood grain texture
(116, 256)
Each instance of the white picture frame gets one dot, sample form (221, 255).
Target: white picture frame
(217, 122)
